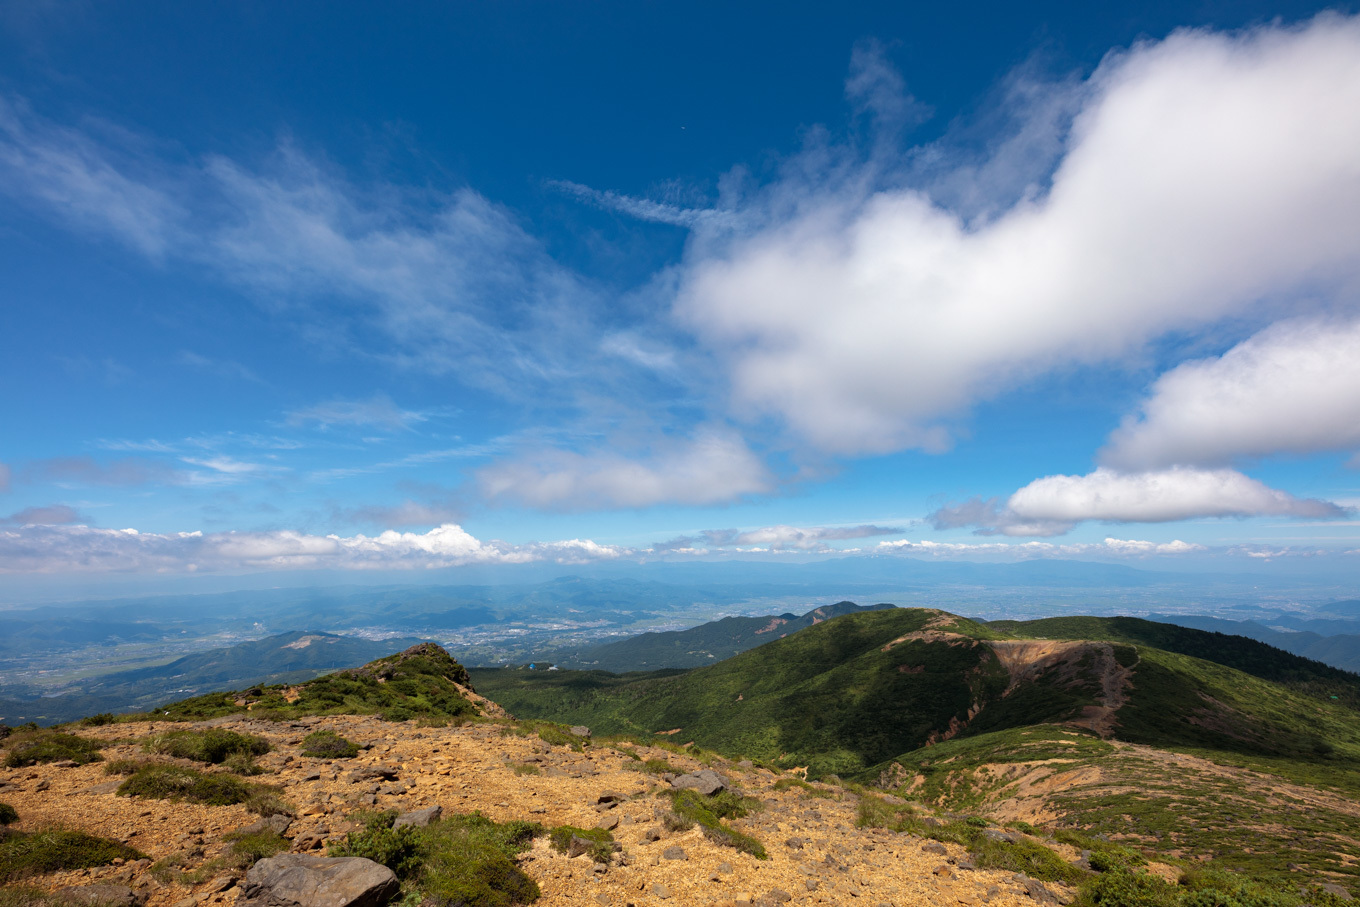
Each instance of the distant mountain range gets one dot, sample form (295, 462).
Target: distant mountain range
(702, 645)
(285, 658)
(1333, 642)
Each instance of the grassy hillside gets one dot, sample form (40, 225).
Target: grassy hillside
(421, 682)
(829, 696)
(1312, 678)
(703, 645)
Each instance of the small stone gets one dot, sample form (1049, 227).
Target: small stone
(651, 834)
(943, 872)
(221, 883)
(674, 852)
(104, 895)
(43, 785)
(608, 823)
(706, 782)
(661, 891)
(312, 776)
(934, 847)
(778, 896)
(580, 730)
(602, 899)
(610, 796)
(795, 843)
(811, 884)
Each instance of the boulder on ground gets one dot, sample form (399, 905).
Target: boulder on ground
(706, 782)
(419, 818)
(299, 880)
(580, 730)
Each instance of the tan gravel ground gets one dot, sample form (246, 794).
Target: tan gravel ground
(470, 768)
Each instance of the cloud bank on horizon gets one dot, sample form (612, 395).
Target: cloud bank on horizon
(1189, 209)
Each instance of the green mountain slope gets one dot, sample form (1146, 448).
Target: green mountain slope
(842, 697)
(702, 645)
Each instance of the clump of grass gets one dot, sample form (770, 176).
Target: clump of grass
(989, 852)
(247, 848)
(328, 745)
(559, 735)
(708, 813)
(242, 764)
(654, 767)
(463, 859)
(1105, 855)
(600, 843)
(174, 782)
(124, 766)
(99, 720)
(521, 768)
(50, 746)
(676, 822)
(213, 746)
(24, 854)
(8, 815)
(809, 790)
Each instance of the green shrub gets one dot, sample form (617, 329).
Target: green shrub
(174, 782)
(520, 768)
(99, 720)
(558, 735)
(242, 764)
(247, 848)
(213, 746)
(708, 813)
(809, 790)
(24, 854)
(462, 860)
(50, 746)
(8, 815)
(124, 766)
(328, 745)
(600, 842)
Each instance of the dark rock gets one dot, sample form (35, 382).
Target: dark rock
(419, 818)
(299, 880)
(795, 843)
(652, 834)
(778, 896)
(43, 785)
(932, 822)
(706, 782)
(374, 773)
(1039, 891)
(608, 823)
(934, 847)
(1334, 889)
(221, 883)
(674, 852)
(610, 797)
(104, 895)
(996, 834)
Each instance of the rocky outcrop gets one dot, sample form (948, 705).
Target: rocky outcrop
(705, 781)
(298, 880)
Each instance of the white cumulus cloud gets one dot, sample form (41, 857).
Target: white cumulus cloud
(1205, 176)
(84, 549)
(1292, 388)
(1052, 505)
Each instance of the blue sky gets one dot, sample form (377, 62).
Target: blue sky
(333, 287)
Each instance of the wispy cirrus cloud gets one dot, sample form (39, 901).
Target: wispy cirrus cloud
(51, 515)
(713, 467)
(377, 411)
(775, 538)
(1111, 547)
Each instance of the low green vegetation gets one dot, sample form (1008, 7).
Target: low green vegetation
(248, 848)
(708, 813)
(597, 842)
(328, 745)
(32, 747)
(213, 746)
(1202, 888)
(521, 768)
(175, 782)
(989, 847)
(24, 854)
(8, 814)
(809, 790)
(836, 697)
(462, 859)
(420, 683)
